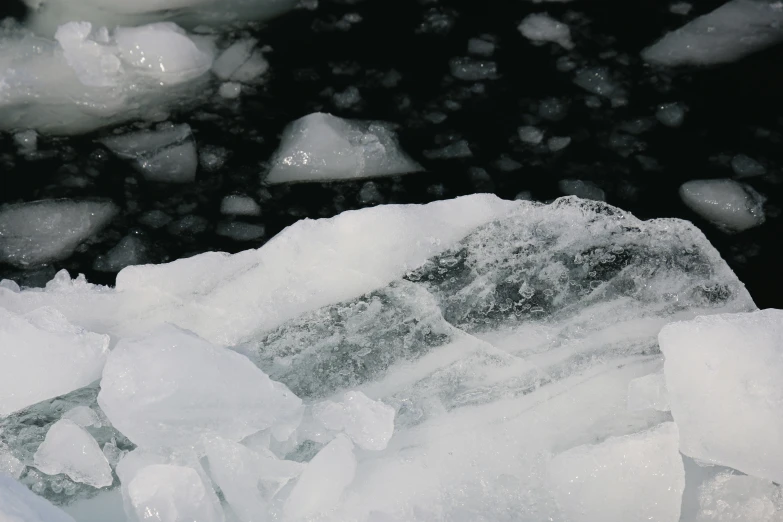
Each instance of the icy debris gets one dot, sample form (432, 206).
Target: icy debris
(165, 155)
(552, 109)
(27, 141)
(347, 98)
(680, 8)
(597, 80)
(635, 478)
(457, 150)
(322, 147)
(531, 135)
(728, 204)
(746, 167)
(481, 47)
(131, 250)
(69, 449)
(736, 498)
(723, 376)
(368, 423)
(557, 143)
(733, 30)
(230, 90)
(171, 388)
(648, 392)
(9, 464)
(253, 70)
(49, 230)
(45, 356)
(541, 27)
(239, 62)
(671, 114)
(473, 70)
(236, 205)
(19, 504)
(239, 231)
(323, 481)
(582, 189)
(82, 416)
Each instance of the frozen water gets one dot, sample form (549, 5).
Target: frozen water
(239, 206)
(165, 155)
(671, 114)
(171, 388)
(368, 423)
(252, 70)
(728, 204)
(456, 150)
(723, 376)
(582, 189)
(472, 70)
(239, 231)
(68, 448)
(648, 392)
(45, 356)
(322, 147)
(733, 30)
(27, 141)
(597, 80)
(557, 143)
(49, 230)
(9, 464)
(735, 498)
(680, 8)
(634, 478)
(230, 90)
(233, 58)
(531, 135)
(541, 27)
(746, 167)
(481, 47)
(347, 98)
(131, 250)
(19, 504)
(82, 416)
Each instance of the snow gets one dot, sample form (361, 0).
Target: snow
(648, 392)
(322, 147)
(19, 504)
(671, 114)
(746, 167)
(728, 204)
(540, 27)
(45, 356)
(734, 498)
(68, 448)
(723, 376)
(368, 423)
(237, 205)
(634, 478)
(49, 230)
(730, 32)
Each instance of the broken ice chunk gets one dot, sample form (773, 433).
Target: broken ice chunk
(671, 114)
(27, 141)
(582, 189)
(9, 464)
(541, 27)
(172, 388)
(728, 204)
(530, 135)
(322, 147)
(723, 376)
(239, 231)
(19, 504)
(230, 90)
(131, 250)
(737, 498)
(69, 449)
(481, 47)
(473, 70)
(746, 167)
(233, 58)
(369, 423)
(648, 392)
(239, 206)
(635, 478)
(557, 143)
(49, 230)
(597, 80)
(458, 149)
(43, 356)
(82, 416)
(323, 481)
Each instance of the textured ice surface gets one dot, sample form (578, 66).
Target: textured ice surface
(730, 205)
(648, 392)
(42, 231)
(735, 498)
(541, 27)
(68, 448)
(19, 504)
(45, 356)
(171, 389)
(634, 478)
(723, 376)
(733, 30)
(322, 147)
(368, 423)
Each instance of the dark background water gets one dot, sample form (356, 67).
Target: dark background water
(397, 57)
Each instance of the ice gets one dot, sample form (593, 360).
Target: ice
(323, 481)
(230, 90)
(728, 204)
(322, 147)
(68, 448)
(171, 389)
(671, 114)
(472, 70)
(347, 98)
(9, 464)
(27, 141)
(733, 30)
(236, 205)
(19, 504)
(239, 231)
(458, 149)
(735, 498)
(233, 58)
(540, 27)
(49, 230)
(368, 423)
(557, 143)
(252, 70)
(597, 80)
(131, 250)
(481, 47)
(166, 155)
(648, 392)
(44, 356)
(530, 135)
(680, 8)
(634, 478)
(82, 416)
(723, 377)
(746, 167)
(582, 189)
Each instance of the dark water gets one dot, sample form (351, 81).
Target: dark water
(398, 56)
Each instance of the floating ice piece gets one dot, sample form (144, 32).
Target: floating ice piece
(19, 504)
(239, 231)
(171, 388)
(648, 392)
(541, 27)
(82, 416)
(680, 8)
(458, 149)
(730, 32)
(531, 135)
(131, 250)
(635, 478)
(582, 189)
(27, 141)
(472, 70)
(239, 206)
(166, 155)
(728, 204)
(746, 167)
(45, 356)
(671, 114)
(736, 498)
(597, 80)
(322, 147)
(230, 90)
(557, 143)
(723, 376)
(368, 423)
(49, 230)
(9, 464)
(323, 481)
(233, 58)
(481, 47)
(69, 449)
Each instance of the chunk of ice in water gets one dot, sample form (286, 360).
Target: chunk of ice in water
(233, 58)
(481, 47)
(728, 204)
(49, 230)
(368, 423)
(597, 80)
(45, 356)
(252, 70)
(239, 231)
(19, 504)
(723, 376)
(131, 250)
(27, 141)
(680, 8)
(473, 70)
(746, 167)
(68, 448)
(736, 498)
(458, 149)
(236, 205)
(582, 189)
(530, 134)
(635, 478)
(82, 416)
(322, 147)
(230, 90)
(557, 143)
(9, 464)
(172, 388)
(540, 27)
(671, 114)
(648, 392)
